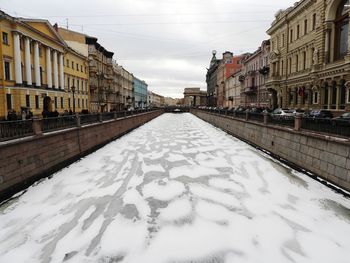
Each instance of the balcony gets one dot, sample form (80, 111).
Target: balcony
(250, 89)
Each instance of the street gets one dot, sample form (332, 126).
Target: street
(176, 190)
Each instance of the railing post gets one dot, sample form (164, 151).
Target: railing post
(225, 112)
(115, 115)
(266, 118)
(297, 122)
(124, 114)
(78, 119)
(100, 119)
(247, 115)
(36, 126)
(234, 114)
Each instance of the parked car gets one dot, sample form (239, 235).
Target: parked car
(342, 120)
(299, 112)
(282, 113)
(320, 114)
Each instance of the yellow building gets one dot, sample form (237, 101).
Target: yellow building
(32, 68)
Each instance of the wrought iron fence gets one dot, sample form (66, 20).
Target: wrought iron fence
(10, 130)
(326, 126)
(59, 123)
(256, 117)
(107, 116)
(282, 120)
(89, 118)
(240, 114)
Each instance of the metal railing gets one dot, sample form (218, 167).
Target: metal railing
(10, 130)
(282, 120)
(59, 123)
(326, 126)
(17, 129)
(89, 118)
(256, 117)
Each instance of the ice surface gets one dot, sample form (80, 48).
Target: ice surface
(176, 190)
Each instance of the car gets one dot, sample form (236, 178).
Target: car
(320, 114)
(342, 120)
(279, 113)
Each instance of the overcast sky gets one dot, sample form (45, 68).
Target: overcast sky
(167, 43)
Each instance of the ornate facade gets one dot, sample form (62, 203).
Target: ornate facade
(102, 92)
(310, 56)
(256, 69)
(31, 68)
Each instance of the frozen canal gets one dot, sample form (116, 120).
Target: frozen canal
(176, 190)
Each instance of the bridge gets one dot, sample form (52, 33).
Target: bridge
(177, 109)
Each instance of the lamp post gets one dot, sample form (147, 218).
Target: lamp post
(73, 90)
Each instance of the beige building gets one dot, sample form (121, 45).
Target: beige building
(127, 88)
(256, 69)
(155, 100)
(234, 88)
(309, 60)
(195, 97)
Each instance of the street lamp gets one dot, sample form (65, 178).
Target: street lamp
(73, 90)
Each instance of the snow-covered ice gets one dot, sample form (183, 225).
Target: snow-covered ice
(176, 190)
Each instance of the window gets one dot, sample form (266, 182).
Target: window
(69, 103)
(37, 105)
(41, 75)
(315, 97)
(9, 101)
(78, 84)
(7, 70)
(77, 66)
(5, 38)
(68, 83)
(282, 68)
(341, 29)
(28, 101)
(56, 103)
(297, 63)
(62, 105)
(305, 26)
(82, 102)
(78, 103)
(304, 60)
(282, 40)
(291, 35)
(72, 65)
(81, 68)
(290, 65)
(298, 31)
(67, 64)
(40, 52)
(348, 95)
(314, 22)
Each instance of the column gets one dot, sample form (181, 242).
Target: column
(338, 96)
(37, 64)
(61, 71)
(55, 69)
(326, 51)
(27, 61)
(48, 68)
(17, 57)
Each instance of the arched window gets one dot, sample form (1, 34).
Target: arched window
(341, 29)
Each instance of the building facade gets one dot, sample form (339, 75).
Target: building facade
(101, 77)
(256, 69)
(140, 93)
(127, 85)
(234, 90)
(195, 97)
(310, 55)
(155, 100)
(33, 72)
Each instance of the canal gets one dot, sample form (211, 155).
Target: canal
(176, 190)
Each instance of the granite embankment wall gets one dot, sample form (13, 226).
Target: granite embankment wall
(324, 156)
(24, 161)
